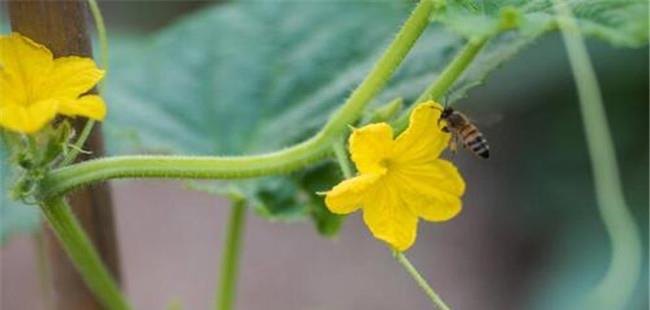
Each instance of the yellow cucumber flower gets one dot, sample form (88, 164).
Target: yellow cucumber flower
(400, 180)
(35, 87)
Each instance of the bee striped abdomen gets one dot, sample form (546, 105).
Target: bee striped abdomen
(474, 141)
(462, 129)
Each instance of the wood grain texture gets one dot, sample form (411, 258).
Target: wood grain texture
(61, 26)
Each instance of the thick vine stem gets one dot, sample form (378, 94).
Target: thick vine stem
(618, 285)
(191, 167)
(67, 178)
(81, 251)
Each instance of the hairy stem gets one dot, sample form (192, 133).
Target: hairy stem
(230, 256)
(103, 42)
(83, 255)
(422, 283)
(616, 288)
(445, 80)
(342, 158)
(66, 178)
(383, 69)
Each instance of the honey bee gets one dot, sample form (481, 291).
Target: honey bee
(462, 129)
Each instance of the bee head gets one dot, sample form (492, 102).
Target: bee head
(446, 112)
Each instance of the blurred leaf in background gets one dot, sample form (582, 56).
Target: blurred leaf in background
(541, 154)
(620, 22)
(255, 77)
(247, 78)
(558, 163)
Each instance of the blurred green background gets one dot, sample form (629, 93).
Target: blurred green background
(528, 238)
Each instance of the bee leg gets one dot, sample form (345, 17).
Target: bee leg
(453, 145)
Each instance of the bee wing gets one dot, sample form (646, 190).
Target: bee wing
(487, 120)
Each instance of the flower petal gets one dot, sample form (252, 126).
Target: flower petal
(369, 145)
(424, 138)
(389, 219)
(71, 76)
(11, 89)
(24, 63)
(432, 191)
(436, 208)
(346, 196)
(28, 119)
(91, 106)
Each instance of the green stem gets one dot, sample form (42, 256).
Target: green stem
(66, 178)
(103, 43)
(230, 256)
(83, 255)
(383, 69)
(435, 299)
(618, 284)
(448, 76)
(194, 167)
(342, 158)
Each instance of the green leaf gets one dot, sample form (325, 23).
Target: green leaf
(315, 181)
(247, 78)
(15, 217)
(619, 22)
(268, 78)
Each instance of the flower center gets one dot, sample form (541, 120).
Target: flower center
(387, 163)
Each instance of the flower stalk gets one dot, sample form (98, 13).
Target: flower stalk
(342, 158)
(422, 283)
(230, 256)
